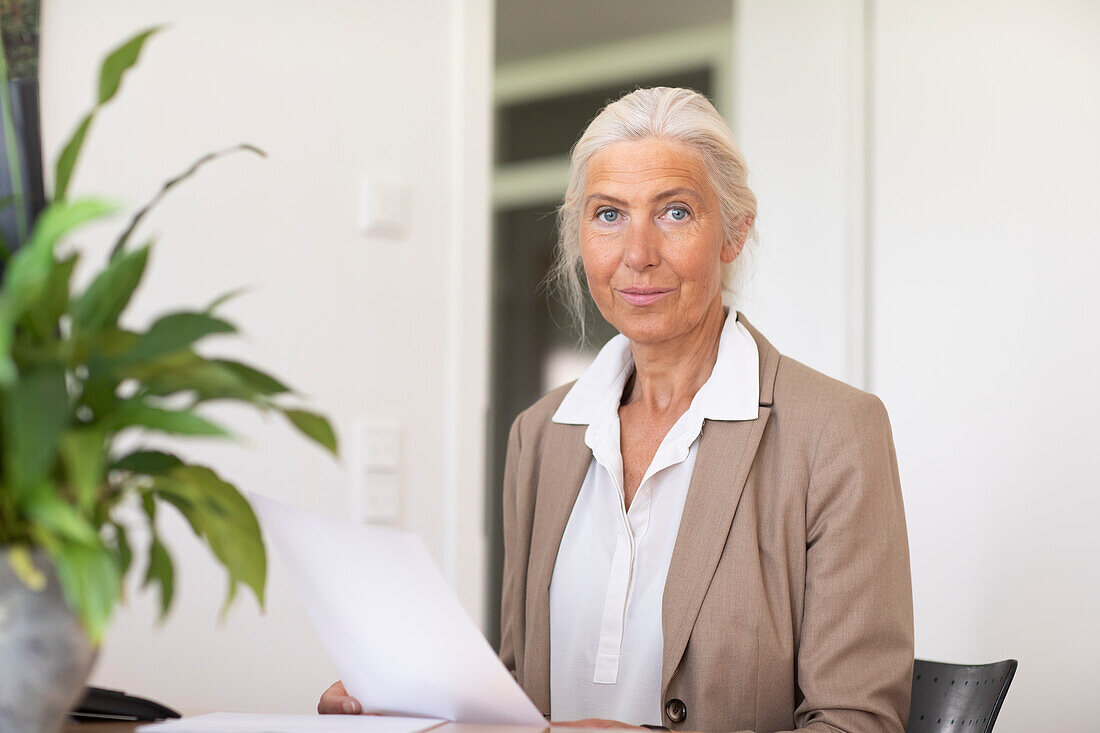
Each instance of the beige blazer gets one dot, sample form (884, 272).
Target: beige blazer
(788, 601)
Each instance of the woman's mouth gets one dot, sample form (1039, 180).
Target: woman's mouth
(642, 296)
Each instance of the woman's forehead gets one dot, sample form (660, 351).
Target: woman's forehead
(637, 166)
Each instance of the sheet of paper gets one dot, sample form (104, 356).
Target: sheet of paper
(395, 630)
(263, 723)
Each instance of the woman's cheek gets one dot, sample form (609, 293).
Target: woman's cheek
(600, 260)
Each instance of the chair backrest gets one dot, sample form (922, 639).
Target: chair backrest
(958, 697)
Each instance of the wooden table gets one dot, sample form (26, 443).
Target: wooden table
(114, 727)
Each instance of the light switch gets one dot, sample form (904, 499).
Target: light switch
(383, 207)
(376, 467)
(381, 447)
(382, 500)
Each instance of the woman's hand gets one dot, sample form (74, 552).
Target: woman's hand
(594, 723)
(336, 701)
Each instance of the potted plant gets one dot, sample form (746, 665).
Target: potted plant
(73, 381)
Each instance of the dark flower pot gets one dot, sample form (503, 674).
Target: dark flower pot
(44, 653)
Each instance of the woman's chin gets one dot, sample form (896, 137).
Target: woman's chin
(648, 330)
(655, 326)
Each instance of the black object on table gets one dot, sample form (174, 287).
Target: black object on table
(101, 703)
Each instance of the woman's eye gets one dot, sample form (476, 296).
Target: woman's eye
(608, 216)
(677, 213)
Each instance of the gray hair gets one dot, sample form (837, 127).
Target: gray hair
(665, 113)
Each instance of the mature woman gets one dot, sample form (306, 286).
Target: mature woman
(700, 533)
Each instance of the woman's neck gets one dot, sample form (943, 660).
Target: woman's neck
(668, 374)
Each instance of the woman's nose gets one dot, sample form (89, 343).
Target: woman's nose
(640, 246)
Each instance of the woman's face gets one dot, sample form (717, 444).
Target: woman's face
(652, 239)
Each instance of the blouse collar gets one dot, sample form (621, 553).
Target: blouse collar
(732, 392)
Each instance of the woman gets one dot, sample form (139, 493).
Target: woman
(699, 532)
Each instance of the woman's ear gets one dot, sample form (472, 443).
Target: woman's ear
(731, 250)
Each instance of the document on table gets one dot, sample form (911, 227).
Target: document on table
(256, 723)
(400, 639)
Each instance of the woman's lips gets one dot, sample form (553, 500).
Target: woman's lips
(642, 296)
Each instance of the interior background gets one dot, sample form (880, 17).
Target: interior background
(927, 175)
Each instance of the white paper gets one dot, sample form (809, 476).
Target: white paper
(395, 630)
(263, 723)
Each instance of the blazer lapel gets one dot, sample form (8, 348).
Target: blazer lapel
(726, 453)
(564, 463)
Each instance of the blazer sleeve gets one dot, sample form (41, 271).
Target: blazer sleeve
(855, 657)
(508, 604)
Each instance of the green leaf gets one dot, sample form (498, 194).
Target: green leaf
(262, 383)
(99, 352)
(31, 271)
(106, 344)
(182, 504)
(176, 422)
(149, 504)
(206, 379)
(122, 546)
(315, 427)
(110, 78)
(224, 298)
(30, 268)
(31, 274)
(8, 371)
(143, 371)
(69, 154)
(219, 514)
(147, 462)
(82, 457)
(172, 183)
(174, 332)
(90, 580)
(160, 571)
(105, 299)
(44, 508)
(62, 217)
(35, 411)
(119, 61)
(55, 301)
(27, 273)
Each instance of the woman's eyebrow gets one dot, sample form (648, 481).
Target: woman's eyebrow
(604, 197)
(672, 192)
(676, 192)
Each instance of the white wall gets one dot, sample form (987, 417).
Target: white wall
(362, 326)
(795, 110)
(987, 174)
(981, 262)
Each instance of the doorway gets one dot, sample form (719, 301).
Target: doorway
(553, 75)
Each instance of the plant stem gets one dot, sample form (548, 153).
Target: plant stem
(12, 148)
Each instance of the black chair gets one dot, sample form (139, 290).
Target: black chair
(958, 697)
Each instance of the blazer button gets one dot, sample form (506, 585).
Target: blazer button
(676, 710)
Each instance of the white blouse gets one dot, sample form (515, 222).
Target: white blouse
(606, 639)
